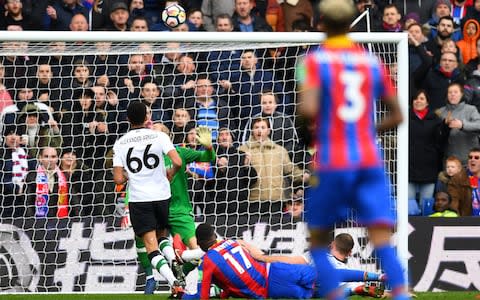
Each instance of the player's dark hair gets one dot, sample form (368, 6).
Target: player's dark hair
(136, 113)
(344, 243)
(205, 232)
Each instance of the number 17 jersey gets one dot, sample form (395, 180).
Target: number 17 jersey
(348, 79)
(140, 152)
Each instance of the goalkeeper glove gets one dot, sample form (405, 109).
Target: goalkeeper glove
(204, 137)
(125, 223)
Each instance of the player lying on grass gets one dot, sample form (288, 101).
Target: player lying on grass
(180, 217)
(239, 275)
(354, 282)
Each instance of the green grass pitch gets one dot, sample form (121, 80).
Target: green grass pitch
(444, 295)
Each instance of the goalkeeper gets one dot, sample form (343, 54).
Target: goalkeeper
(181, 218)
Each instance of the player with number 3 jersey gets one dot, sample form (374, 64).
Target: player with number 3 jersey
(339, 84)
(138, 159)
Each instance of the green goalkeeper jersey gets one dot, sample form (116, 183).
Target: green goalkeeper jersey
(180, 201)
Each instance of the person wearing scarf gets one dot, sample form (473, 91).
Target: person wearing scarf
(391, 19)
(464, 123)
(427, 135)
(473, 208)
(47, 188)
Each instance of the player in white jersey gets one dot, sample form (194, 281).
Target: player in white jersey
(138, 159)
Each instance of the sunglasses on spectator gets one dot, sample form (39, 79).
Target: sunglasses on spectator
(476, 157)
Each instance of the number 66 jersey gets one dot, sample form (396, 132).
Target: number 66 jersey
(348, 80)
(140, 153)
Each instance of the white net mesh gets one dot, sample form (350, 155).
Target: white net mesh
(73, 97)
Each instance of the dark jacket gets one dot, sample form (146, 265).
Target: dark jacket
(436, 85)
(427, 139)
(259, 24)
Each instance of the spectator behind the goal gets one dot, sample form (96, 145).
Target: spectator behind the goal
(442, 206)
(14, 167)
(234, 175)
(24, 95)
(273, 166)
(60, 14)
(207, 109)
(473, 208)
(248, 83)
(48, 193)
(282, 128)
(392, 19)
(79, 80)
(119, 15)
(224, 60)
(468, 45)
(80, 181)
(438, 77)
(454, 180)
(78, 22)
(16, 66)
(85, 129)
(294, 208)
(195, 17)
(160, 107)
(14, 15)
(428, 135)
(212, 9)
(181, 125)
(139, 24)
(180, 82)
(39, 130)
(375, 15)
(245, 20)
(464, 122)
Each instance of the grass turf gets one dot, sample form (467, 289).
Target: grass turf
(444, 295)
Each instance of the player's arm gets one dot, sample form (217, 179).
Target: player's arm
(308, 101)
(176, 163)
(119, 175)
(308, 89)
(204, 286)
(394, 116)
(259, 255)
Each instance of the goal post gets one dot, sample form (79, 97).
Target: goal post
(89, 252)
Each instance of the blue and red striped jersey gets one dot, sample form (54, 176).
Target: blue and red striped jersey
(348, 80)
(233, 270)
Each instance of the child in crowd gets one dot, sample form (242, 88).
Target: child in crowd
(455, 182)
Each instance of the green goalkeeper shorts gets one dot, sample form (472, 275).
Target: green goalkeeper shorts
(183, 225)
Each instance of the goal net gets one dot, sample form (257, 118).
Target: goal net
(63, 104)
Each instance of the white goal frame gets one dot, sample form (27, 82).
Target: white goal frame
(400, 39)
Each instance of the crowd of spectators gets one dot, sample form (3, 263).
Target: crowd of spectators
(61, 114)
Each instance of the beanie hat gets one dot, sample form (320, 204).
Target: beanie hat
(412, 16)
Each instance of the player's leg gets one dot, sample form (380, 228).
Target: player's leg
(291, 281)
(150, 282)
(373, 208)
(326, 204)
(350, 275)
(165, 246)
(144, 218)
(183, 226)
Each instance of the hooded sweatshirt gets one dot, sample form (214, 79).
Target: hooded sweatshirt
(468, 45)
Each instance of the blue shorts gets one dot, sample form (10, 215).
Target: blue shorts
(291, 281)
(365, 190)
